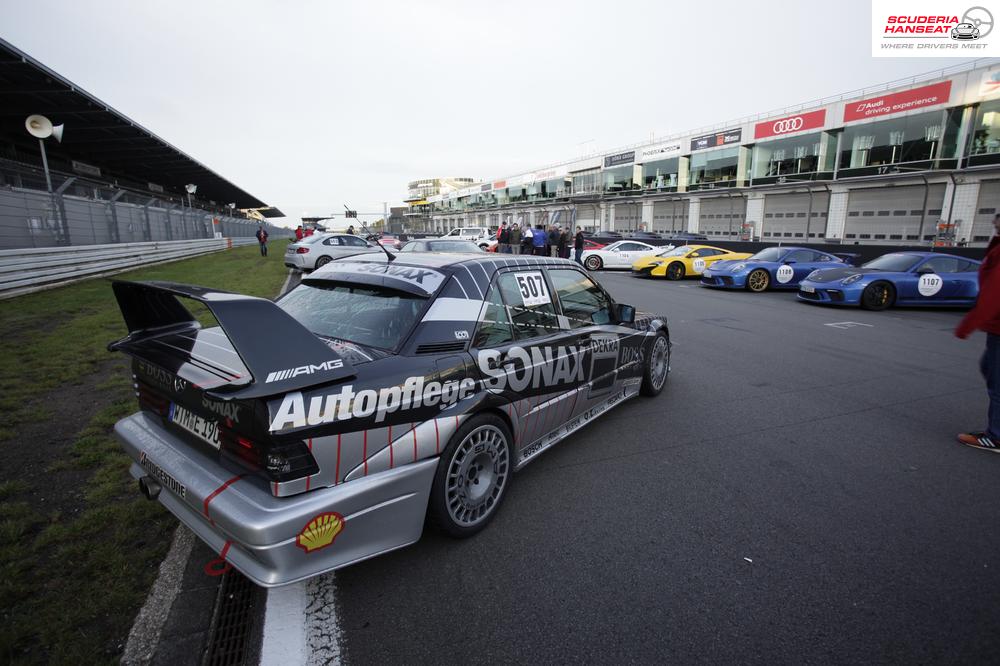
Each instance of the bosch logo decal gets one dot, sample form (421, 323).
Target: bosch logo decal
(788, 125)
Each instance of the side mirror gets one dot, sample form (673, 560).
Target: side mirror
(626, 313)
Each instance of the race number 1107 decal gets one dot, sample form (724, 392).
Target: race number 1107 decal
(533, 289)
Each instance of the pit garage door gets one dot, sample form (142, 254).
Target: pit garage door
(588, 217)
(792, 216)
(722, 217)
(892, 215)
(670, 216)
(986, 208)
(628, 216)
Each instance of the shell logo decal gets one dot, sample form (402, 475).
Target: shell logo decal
(320, 532)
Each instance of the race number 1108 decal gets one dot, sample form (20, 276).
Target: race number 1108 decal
(533, 289)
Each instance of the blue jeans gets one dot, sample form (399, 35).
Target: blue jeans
(579, 256)
(989, 365)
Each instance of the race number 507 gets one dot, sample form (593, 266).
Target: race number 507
(534, 291)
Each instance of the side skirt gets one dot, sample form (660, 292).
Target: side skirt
(547, 441)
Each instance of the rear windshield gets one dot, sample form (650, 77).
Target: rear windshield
(896, 263)
(365, 315)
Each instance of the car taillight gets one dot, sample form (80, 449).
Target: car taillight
(150, 400)
(301, 250)
(280, 462)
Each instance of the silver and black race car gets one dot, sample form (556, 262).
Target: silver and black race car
(306, 434)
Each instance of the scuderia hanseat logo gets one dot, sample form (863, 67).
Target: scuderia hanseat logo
(931, 28)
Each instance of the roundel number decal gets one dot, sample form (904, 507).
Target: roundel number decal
(698, 265)
(930, 284)
(785, 274)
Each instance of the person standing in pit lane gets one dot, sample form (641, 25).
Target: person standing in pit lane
(298, 233)
(538, 239)
(563, 243)
(262, 239)
(985, 316)
(503, 238)
(515, 239)
(527, 240)
(578, 245)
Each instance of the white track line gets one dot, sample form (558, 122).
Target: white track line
(301, 625)
(145, 634)
(288, 279)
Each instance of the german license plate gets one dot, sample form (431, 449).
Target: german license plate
(203, 429)
(806, 288)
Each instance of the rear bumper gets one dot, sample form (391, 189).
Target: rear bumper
(297, 261)
(380, 512)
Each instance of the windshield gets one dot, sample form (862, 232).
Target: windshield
(769, 254)
(365, 315)
(675, 252)
(897, 263)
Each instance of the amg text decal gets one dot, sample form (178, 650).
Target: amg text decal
(288, 373)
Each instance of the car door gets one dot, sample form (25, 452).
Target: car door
(801, 263)
(937, 279)
(702, 258)
(628, 252)
(527, 354)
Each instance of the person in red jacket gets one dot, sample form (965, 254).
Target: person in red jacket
(985, 316)
(298, 233)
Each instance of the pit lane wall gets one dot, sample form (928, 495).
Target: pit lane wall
(32, 269)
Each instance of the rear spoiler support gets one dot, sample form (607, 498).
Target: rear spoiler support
(281, 354)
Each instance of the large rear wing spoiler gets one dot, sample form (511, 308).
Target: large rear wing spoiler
(281, 354)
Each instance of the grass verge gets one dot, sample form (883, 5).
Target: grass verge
(79, 548)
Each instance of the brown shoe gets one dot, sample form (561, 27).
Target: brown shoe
(980, 440)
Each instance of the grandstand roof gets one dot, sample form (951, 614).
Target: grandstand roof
(101, 136)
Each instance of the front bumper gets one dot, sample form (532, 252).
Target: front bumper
(645, 271)
(724, 280)
(381, 512)
(826, 293)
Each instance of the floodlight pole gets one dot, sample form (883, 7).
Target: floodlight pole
(45, 165)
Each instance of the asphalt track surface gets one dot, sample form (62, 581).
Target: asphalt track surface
(795, 495)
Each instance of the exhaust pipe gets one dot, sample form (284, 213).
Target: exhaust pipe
(149, 487)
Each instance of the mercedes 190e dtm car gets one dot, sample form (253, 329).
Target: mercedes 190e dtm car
(301, 436)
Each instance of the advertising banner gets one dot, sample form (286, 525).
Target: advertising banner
(718, 139)
(660, 152)
(619, 159)
(887, 105)
(790, 124)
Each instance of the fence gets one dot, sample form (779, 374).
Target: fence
(88, 212)
(23, 271)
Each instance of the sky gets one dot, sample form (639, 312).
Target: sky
(310, 105)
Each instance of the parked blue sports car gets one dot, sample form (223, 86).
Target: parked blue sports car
(771, 268)
(899, 278)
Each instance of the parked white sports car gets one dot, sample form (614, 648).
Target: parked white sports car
(618, 255)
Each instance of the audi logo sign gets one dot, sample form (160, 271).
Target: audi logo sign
(803, 121)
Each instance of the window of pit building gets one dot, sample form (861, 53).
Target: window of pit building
(923, 141)
(587, 181)
(713, 168)
(985, 140)
(618, 179)
(794, 155)
(661, 175)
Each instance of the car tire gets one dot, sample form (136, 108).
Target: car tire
(322, 261)
(657, 368)
(759, 280)
(480, 453)
(675, 271)
(593, 263)
(878, 296)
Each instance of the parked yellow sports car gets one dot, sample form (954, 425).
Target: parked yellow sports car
(679, 262)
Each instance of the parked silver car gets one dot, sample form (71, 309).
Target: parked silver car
(317, 250)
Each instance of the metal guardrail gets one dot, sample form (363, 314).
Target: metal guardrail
(33, 269)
